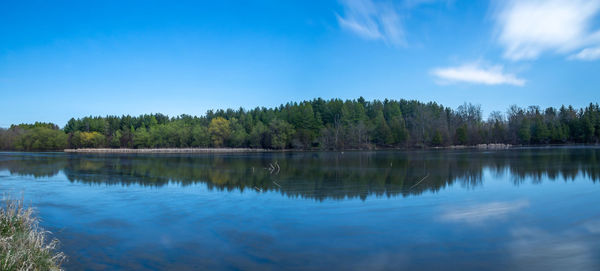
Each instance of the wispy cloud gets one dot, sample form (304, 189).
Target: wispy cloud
(373, 21)
(379, 19)
(587, 54)
(536, 249)
(475, 73)
(478, 214)
(528, 28)
(592, 226)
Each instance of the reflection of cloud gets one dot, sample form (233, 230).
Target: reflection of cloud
(592, 226)
(480, 213)
(534, 249)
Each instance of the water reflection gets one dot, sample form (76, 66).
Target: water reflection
(317, 175)
(477, 214)
(537, 249)
(128, 212)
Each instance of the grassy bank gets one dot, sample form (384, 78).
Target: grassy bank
(23, 244)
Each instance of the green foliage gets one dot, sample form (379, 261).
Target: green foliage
(541, 134)
(461, 135)
(219, 131)
(382, 133)
(524, 132)
(40, 138)
(26, 126)
(141, 138)
(238, 136)
(398, 130)
(258, 136)
(87, 140)
(115, 140)
(281, 134)
(200, 137)
(437, 139)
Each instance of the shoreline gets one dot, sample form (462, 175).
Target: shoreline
(492, 146)
(251, 150)
(166, 150)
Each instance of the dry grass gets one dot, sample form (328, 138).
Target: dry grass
(23, 244)
(165, 150)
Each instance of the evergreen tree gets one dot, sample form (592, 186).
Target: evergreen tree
(280, 133)
(524, 132)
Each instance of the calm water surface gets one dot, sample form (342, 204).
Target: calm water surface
(520, 209)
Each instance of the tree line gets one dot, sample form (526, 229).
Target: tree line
(318, 124)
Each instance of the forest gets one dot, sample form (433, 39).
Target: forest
(318, 124)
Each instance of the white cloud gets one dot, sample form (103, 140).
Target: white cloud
(476, 74)
(528, 28)
(373, 21)
(587, 54)
(478, 214)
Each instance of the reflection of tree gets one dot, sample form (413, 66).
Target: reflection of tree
(318, 175)
(36, 165)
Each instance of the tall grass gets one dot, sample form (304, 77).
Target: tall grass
(23, 243)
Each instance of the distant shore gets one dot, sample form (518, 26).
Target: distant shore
(165, 150)
(242, 150)
(253, 150)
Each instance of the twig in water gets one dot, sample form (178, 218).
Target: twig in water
(273, 168)
(260, 190)
(419, 182)
(277, 184)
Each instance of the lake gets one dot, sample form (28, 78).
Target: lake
(516, 209)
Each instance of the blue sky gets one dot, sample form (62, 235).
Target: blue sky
(63, 59)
